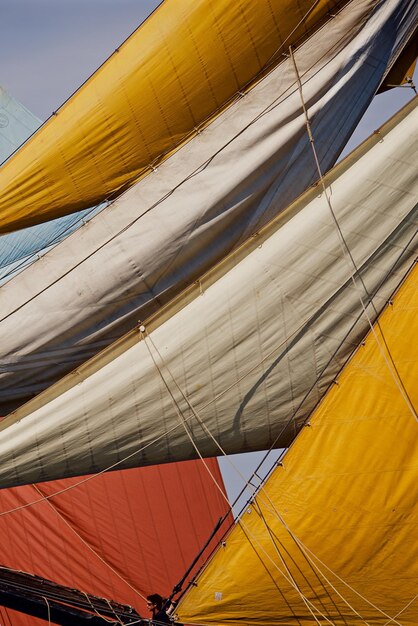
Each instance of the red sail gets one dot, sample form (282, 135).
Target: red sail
(121, 535)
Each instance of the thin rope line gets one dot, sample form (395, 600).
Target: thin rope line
(276, 548)
(307, 552)
(197, 415)
(270, 531)
(347, 253)
(87, 544)
(113, 611)
(183, 421)
(401, 611)
(48, 609)
(146, 336)
(103, 617)
(252, 541)
(248, 484)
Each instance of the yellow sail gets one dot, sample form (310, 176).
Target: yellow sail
(332, 538)
(403, 69)
(174, 74)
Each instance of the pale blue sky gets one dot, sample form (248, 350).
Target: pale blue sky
(49, 47)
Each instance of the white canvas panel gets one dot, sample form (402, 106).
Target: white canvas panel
(250, 350)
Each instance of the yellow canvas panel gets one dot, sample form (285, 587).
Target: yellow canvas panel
(175, 73)
(334, 532)
(404, 67)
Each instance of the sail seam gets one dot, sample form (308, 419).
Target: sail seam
(48, 500)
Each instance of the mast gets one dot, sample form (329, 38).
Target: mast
(44, 599)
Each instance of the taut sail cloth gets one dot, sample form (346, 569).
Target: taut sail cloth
(246, 354)
(208, 197)
(175, 73)
(333, 532)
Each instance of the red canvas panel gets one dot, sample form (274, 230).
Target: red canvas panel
(120, 535)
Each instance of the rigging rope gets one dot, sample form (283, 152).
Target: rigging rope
(209, 403)
(347, 253)
(49, 610)
(307, 552)
(261, 489)
(90, 547)
(276, 548)
(103, 617)
(182, 420)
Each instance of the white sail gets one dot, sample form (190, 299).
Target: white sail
(207, 198)
(250, 350)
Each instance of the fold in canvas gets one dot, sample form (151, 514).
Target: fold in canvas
(245, 355)
(216, 191)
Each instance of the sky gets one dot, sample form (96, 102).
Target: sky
(48, 48)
